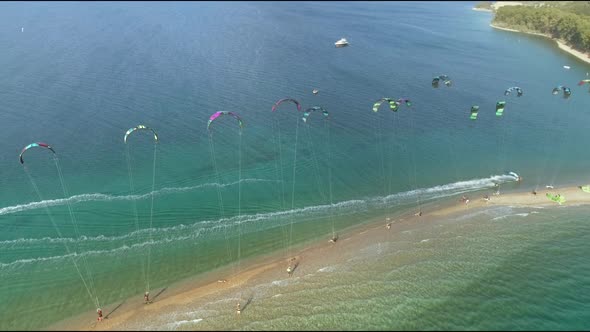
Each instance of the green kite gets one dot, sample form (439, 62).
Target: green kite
(556, 198)
(500, 108)
(474, 111)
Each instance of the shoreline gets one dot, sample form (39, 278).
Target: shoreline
(560, 43)
(482, 10)
(205, 289)
(207, 286)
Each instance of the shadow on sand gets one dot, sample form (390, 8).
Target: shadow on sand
(159, 293)
(111, 312)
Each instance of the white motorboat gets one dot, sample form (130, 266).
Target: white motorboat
(341, 43)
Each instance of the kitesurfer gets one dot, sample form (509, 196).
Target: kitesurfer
(99, 312)
(334, 238)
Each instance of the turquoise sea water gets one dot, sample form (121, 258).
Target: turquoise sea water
(78, 75)
(500, 268)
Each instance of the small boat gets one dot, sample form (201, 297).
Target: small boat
(315, 91)
(341, 43)
(549, 187)
(566, 67)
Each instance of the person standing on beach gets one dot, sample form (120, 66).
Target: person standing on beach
(238, 309)
(99, 312)
(146, 297)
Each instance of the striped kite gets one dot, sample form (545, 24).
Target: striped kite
(392, 104)
(446, 80)
(566, 91)
(404, 101)
(500, 107)
(313, 109)
(509, 90)
(32, 145)
(142, 127)
(274, 107)
(584, 81)
(474, 111)
(216, 115)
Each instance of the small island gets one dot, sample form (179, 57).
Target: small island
(566, 22)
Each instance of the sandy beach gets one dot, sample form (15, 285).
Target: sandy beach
(307, 258)
(497, 5)
(561, 44)
(573, 195)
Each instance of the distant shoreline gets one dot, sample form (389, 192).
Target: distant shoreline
(562, 45)
(481, 9)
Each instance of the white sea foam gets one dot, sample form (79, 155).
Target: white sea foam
(184, 322)
(331, 268)
(524, 214)
(97, 197)
(166, 235)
